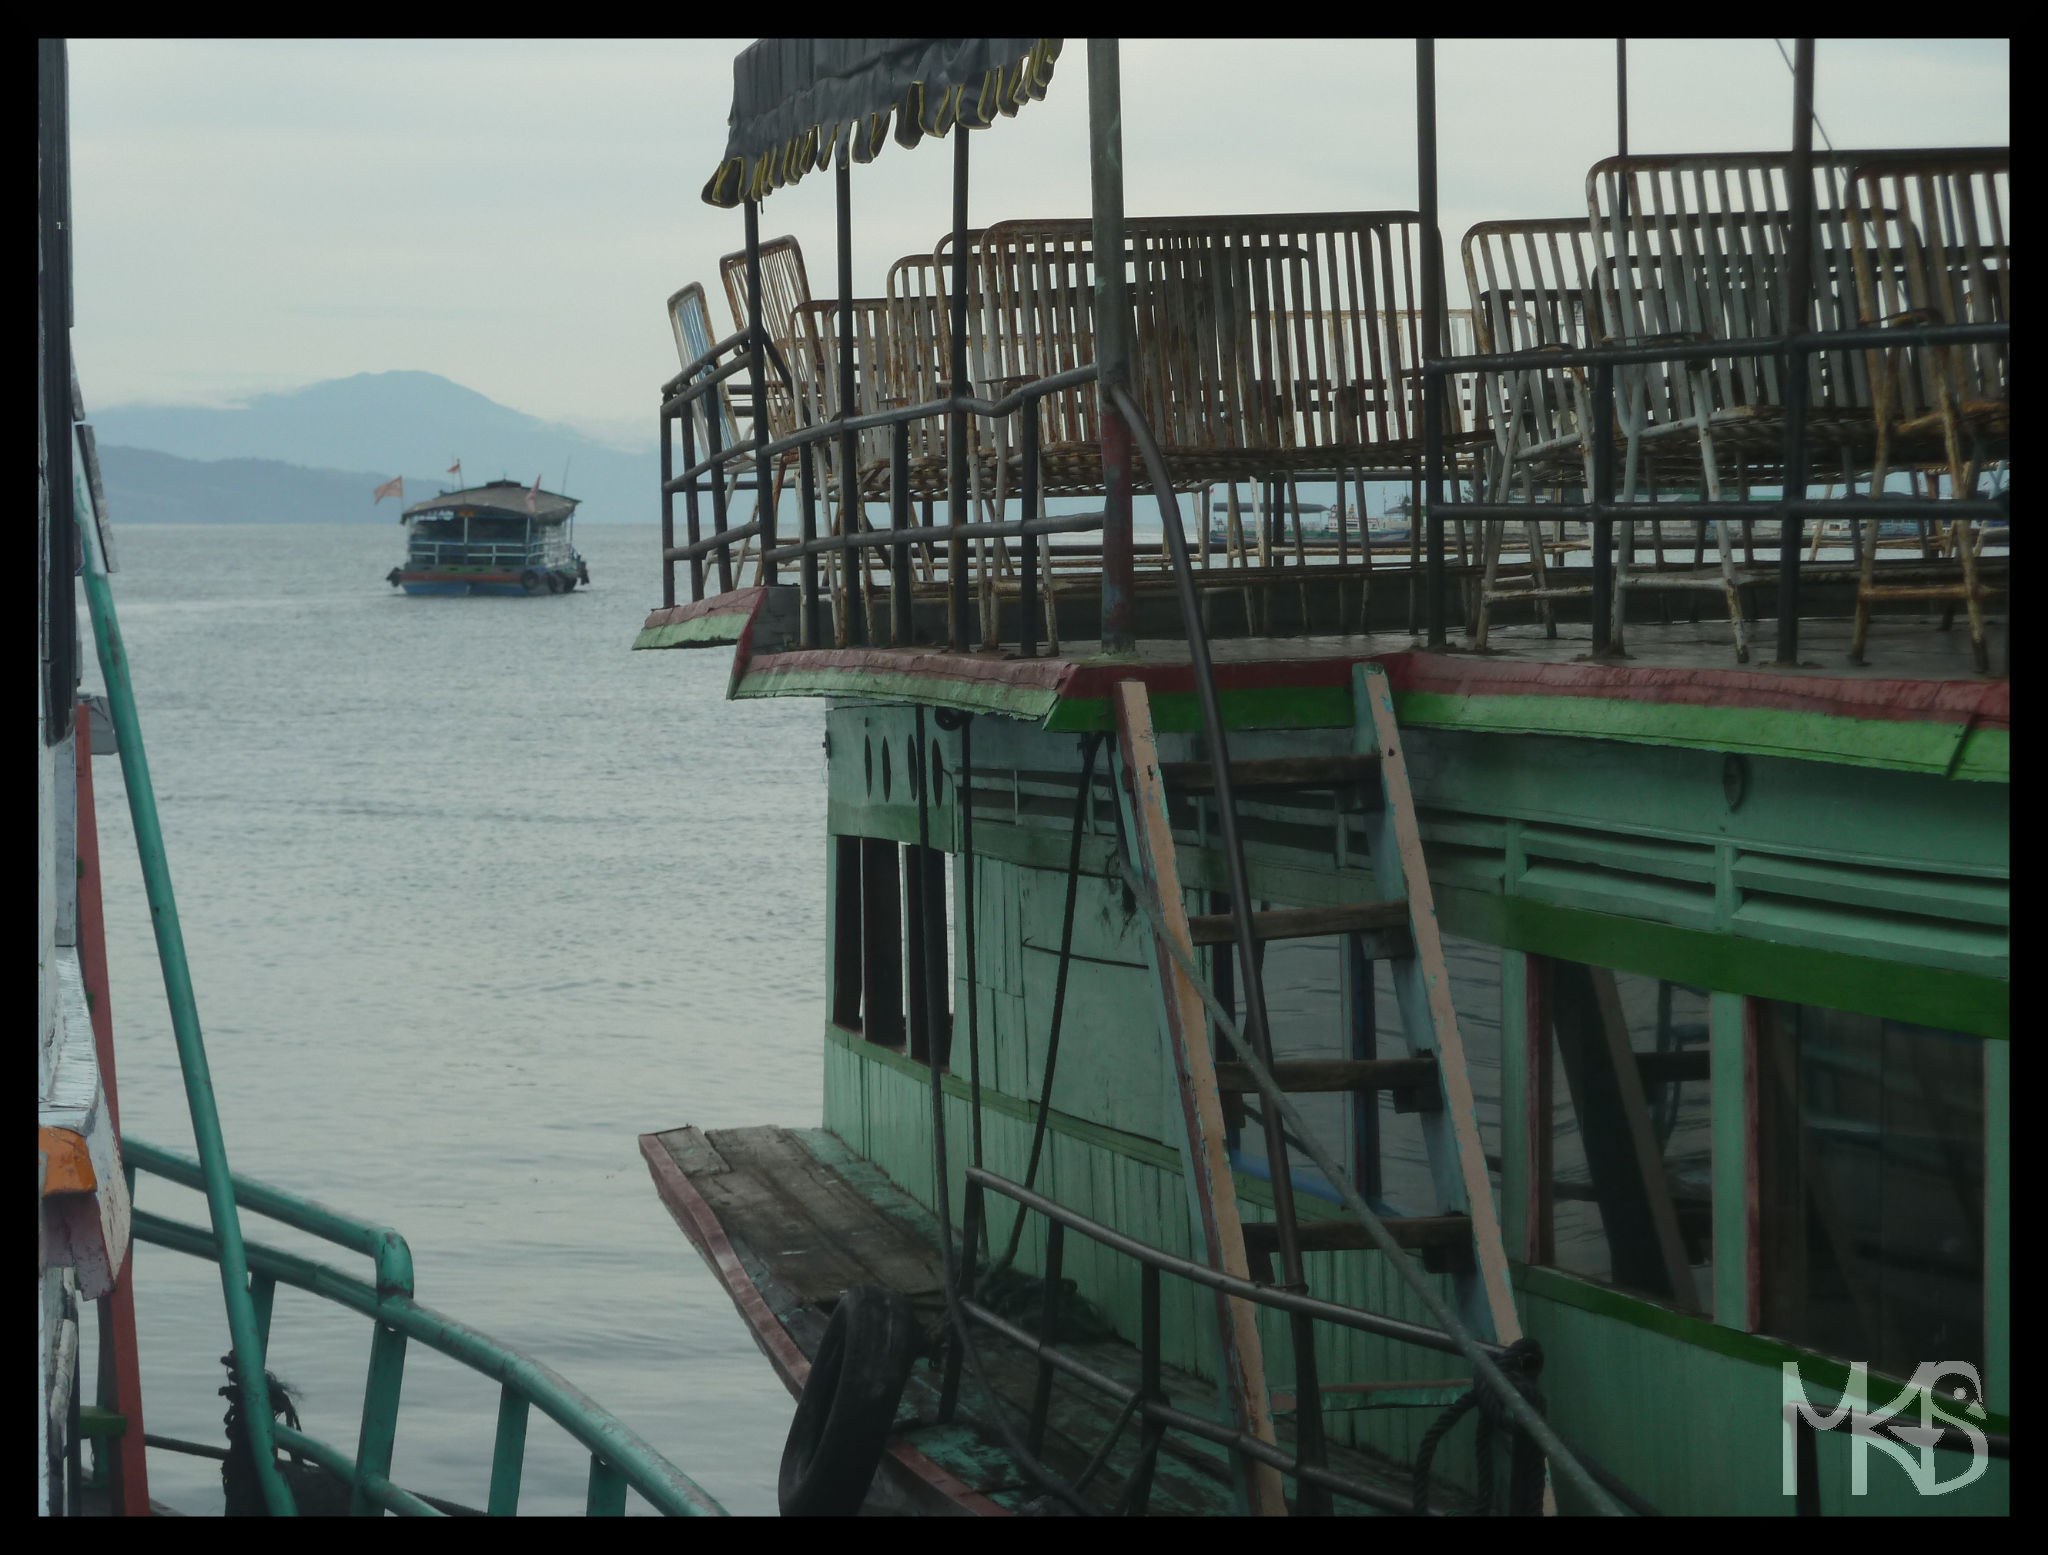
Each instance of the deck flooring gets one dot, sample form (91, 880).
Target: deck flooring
(803, 1219)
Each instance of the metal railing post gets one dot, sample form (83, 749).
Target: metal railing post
(1112, 339)
(607, 1496)
(668, 512)
(1048, 1333)
(902, 623)
(1432, 338)
(1027, 587)
(1791, 529)
(807, 569)
(765, 496)
(1602, 534)
(508, 1452)
(849, 451)
(956, 420)
(713, 447)
(380, 1414)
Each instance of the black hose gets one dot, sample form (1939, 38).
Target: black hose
(1025, 1458)
(1082, 799)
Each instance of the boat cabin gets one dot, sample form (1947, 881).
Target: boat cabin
(501, 537)
(1333, 1017)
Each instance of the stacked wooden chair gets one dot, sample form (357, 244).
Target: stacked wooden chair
(1953, 265)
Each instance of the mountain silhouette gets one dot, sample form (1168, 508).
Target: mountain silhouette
(395, 422)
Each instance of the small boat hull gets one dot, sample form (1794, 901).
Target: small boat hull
(553, 580)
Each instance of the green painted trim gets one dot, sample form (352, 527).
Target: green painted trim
(1263, 707)
(1757, 1349)
(1899, 744)
(1728, 1078)
(1998, 1226)
(1735, 963)
(697, 632)
(1133, 1147)
(975, 696)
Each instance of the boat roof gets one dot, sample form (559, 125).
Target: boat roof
(501, 496)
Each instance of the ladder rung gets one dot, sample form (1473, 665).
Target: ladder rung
(1413, 1232)
(1346, 771)
(1309, 923)
(1413, 1080)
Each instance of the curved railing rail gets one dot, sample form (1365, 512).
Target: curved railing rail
(619, 1458)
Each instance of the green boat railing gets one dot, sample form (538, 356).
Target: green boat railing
(185, 1032)
(250, 1273)
(619, 1458)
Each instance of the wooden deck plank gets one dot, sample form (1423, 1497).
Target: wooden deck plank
(788, 1218)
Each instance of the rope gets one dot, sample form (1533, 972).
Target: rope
(1525, 1489)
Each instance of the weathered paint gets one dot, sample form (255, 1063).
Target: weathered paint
(1423, 985)
(1183, 1025)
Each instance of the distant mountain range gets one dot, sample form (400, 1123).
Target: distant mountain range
(288, 457)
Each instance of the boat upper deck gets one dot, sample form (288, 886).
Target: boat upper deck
(1920, 705)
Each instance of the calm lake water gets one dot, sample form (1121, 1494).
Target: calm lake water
(473, 895)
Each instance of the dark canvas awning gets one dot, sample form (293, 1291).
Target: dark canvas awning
(792, 98)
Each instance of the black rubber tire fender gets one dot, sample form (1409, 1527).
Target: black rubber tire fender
(554, 582)
(530, 581)
(849, 1404)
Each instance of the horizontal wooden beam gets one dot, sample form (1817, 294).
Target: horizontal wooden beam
(1341, 771)
(1306, 923)
(1414, 1076)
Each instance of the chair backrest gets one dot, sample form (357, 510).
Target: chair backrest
(818, 344)
(1254, 334)
(1533, 283)
(915, 370)
(784, 289)
(1944, 253)
(1701, 245)
(689, 319)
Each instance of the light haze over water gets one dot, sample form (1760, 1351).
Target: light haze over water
(473, 896)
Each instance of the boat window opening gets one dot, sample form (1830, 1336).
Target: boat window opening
(1628, 1199)
(926, 936)
(881, 943)
(846, 937)
(1870, 1166)
(497, 530)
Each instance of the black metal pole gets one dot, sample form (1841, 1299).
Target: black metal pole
(1027, 589)
(1432, 335)
(668, 511)
(902, 624)
(812, 623)
(1799, 202)
(1621, 103)
(764, 494)
(849, 483)
(956, 421)
(1112, 338)
(1602, 529)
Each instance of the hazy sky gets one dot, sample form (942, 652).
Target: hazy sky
(513, 215)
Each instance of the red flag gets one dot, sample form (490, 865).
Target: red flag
(533, 496)
(455, 468)
(395, 487)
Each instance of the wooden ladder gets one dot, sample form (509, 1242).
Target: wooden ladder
(1463, 1236)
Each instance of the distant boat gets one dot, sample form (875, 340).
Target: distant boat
(483, 540)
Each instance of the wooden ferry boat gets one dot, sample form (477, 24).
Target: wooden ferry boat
(1276, 1062)
(498, 538)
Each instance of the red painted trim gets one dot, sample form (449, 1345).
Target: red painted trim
(1918, 701)
(746, 602)
(1987, 704)
(963, 668)
(117, 1309)
(701, 1225)
(458, 577)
